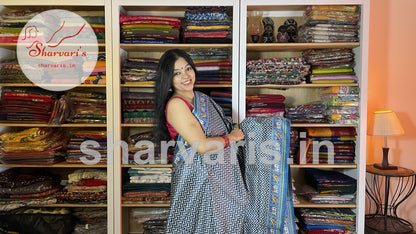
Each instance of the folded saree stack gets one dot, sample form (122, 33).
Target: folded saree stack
(147, 185)
(308, 113)
(278, 71)
(150, 220)
(148, 29)
(139, 70)
(329, 220)
(324, 23)
(98, 74)
(138, 107)
(210, 24)
(19, 188)
(224, 99)
(342, 104)
(331, 65)
(33, 146)
(96, 20)
(329, 187)
(342, 148)
(84, 186)
(12, 22)
(88, 107)
(26, 104)
(11, 72)
(89, 220)
(213, 66)
(74, 153)
(265, 105)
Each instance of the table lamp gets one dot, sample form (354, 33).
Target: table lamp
(385, 123)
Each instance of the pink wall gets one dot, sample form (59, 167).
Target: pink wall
(392, 83)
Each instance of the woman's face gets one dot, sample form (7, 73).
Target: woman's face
(183, 76)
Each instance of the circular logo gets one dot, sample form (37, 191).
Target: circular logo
(57, 50)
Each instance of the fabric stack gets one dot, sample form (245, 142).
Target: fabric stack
(265, 105)
(138, 152)
(342, 104)
(329, 187)
(208, 24)
(294, 146)
(213, 66)
(88, 107)
(11, 72)
(26, 105)
(147, 185)
(84, 186)
(97, 22)
(138, 107)
(308, 113)
(342, 140)
(98, 74)
(12, 22)
(331, 65)
(147, 29)
(74, 153)
(224, 99)
(328, 220)
(139, 71)
(278, 71)
(90, 220)
(336, 23)
(149, 220)
(19, 188)
(33, 146)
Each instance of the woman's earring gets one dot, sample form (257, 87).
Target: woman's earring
(170, 90)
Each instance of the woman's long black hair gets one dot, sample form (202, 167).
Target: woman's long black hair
(164, 89)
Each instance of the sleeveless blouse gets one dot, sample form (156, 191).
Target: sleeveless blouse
(171, 129)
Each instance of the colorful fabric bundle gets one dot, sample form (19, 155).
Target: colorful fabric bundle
(146, 192)
(138, 107)
(210, 24)
(33, 146)
(342, 103)
(329, 186)
(19, 188)
(279, 71)
(147, 29)
(96, 20)
(98, 74)
(12, 22)
(265, 105)
(308, 113)
(90, 220)
(84, 186)
(213, 66)
(341, 148)
(331, 65)
(224, 99)
(330, 24)
(329, 220)
(146, 219)
(74, 153)
(88, 107)
(139, 71)
(26, 104)
(11, 72)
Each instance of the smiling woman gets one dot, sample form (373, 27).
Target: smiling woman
(204, 196)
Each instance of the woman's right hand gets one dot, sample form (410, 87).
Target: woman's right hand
(236, 134)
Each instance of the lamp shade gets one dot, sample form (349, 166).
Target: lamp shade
(385, 123)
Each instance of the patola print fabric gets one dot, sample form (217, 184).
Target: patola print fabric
(267, 176)
(206, 197)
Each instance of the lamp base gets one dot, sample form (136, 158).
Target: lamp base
(384, 167)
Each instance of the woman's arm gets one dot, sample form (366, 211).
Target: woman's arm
(185, 123)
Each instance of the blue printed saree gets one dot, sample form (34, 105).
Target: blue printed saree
(206, 196)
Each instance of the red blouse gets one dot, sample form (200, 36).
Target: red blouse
(171, 129)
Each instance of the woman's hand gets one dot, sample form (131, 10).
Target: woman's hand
(236, 134)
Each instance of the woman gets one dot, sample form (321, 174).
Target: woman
(207, 191)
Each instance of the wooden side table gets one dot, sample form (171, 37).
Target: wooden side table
(385, 218)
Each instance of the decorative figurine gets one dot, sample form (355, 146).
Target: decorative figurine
(282, 36)
(268, 34)
(292, 30)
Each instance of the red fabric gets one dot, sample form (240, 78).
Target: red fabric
(172, 130)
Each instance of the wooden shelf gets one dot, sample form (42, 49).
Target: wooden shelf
(322, 166)
(11, 124)
(164, 47)
(56, 165)
(268, 47)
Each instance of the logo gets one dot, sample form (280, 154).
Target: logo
(57, 50)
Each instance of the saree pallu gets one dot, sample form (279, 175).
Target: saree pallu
(206, 196)
(270, 207)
